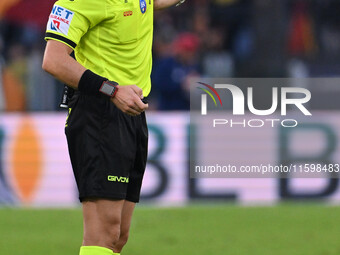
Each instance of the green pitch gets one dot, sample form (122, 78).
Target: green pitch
(280, 230)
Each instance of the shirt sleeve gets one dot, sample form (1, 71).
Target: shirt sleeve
(70, 20)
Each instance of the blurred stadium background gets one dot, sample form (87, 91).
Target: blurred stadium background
(39, 209)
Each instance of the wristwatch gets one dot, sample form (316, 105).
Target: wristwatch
(109, 88)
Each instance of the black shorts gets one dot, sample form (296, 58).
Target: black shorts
(108, 148)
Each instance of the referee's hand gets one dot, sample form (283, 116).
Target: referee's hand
(129, 100)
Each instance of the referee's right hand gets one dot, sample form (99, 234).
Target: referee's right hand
(129, 100)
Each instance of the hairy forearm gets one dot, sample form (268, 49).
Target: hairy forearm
(162, 4)
(58, 62)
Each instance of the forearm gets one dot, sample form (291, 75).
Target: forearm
(162, 4)
(58, 62)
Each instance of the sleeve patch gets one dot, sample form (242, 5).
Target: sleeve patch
(60, 20)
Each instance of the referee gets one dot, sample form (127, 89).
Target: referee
(102, 50)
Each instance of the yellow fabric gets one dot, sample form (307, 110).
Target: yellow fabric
(113, 38)
(95, 250)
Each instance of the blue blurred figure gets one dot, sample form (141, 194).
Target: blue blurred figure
(171, 74)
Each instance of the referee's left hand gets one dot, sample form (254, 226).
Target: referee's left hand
(129, 100)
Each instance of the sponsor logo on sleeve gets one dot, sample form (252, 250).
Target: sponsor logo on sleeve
(60, 20)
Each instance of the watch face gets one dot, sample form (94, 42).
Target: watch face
(108, 88)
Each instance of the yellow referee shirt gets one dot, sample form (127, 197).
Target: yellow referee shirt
(112, 38)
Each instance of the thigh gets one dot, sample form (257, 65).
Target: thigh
(126, 217)
(101, 218)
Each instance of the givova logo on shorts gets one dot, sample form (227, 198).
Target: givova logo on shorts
(122, 179)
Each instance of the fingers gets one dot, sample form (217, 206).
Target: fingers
(139, 105)
(135, 106)
(129, 100)
(132, 112)
(137, 90)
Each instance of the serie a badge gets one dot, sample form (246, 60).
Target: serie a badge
(142, 4)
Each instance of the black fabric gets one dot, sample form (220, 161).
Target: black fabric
(103, 141)
(61, 38)
(90, 83)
